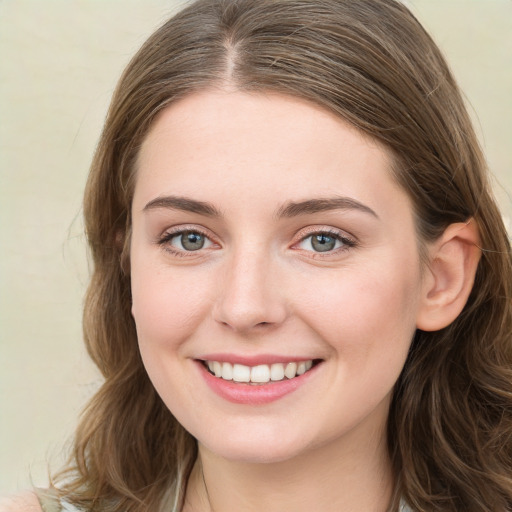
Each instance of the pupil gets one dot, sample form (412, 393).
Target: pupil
(192, 241)
(323, 243)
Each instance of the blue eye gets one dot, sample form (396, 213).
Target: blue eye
(324, 242)
(188, 241)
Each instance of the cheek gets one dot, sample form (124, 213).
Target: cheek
(365, 313)
(167, 306)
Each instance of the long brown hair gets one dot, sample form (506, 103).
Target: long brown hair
(371, 63)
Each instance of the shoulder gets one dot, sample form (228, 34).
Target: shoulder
(38, 500)
(26, 502)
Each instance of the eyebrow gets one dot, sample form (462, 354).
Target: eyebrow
(310, 206)
(184, 204)
(289, 209)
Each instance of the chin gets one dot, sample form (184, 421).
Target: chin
(261, 447)
(254, 454)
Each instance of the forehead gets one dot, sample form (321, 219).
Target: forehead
(242, 147)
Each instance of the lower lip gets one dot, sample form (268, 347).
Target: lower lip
(254, 394)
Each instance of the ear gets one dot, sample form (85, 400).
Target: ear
(449, 276)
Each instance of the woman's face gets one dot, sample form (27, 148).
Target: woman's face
(268, 232)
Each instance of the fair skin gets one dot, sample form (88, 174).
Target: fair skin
(267, 232)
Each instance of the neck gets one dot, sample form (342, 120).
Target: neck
(346, 475)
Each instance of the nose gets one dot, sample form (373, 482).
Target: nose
(251, 296)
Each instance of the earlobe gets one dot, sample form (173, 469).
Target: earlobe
(453, 261)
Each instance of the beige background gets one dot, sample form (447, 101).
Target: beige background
(59, 61)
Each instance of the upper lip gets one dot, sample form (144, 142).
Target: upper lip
(253, 360)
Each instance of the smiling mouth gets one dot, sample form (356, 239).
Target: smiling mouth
(260, 374)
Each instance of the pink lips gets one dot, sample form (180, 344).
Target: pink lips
(252, 394)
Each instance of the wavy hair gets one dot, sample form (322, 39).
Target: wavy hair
(371, 63)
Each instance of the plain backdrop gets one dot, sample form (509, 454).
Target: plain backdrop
(59, 62)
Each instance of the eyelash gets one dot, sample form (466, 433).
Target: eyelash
(347, 242)
(167, 237)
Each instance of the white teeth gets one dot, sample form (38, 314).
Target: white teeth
(291, 370)
(241, 373)
(277, 371)
(227, 371)
(217, 369)
(260, 374)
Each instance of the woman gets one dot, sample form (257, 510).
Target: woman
(302, 283)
